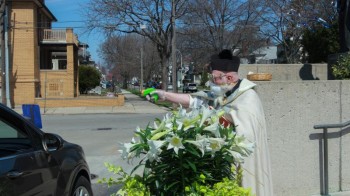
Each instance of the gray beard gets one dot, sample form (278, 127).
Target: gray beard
(220, 90)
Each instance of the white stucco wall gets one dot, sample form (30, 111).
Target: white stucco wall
(292, 108)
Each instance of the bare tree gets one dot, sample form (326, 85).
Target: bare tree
(213, 25)
(152, 62)
(285, 20)
(149, 18)
(121, 56)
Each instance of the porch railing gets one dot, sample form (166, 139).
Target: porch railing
(325, 127)
(54, 35)
(59, 36)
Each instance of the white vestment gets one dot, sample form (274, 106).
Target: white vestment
(245, 110)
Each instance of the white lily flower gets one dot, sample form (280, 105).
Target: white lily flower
(179, 125)
(182, 112)
(191, 120)
(154, 149)
(200, 144)
(242, 146)
(167, 117)
(236, 156)
(215, 144)
(155, 125)
(168, 125)
(214, 128)
(160, 127)
(206, 113)
(138, 129)
(125, 151)
(176, 143)
(200, 137)
(193, 114)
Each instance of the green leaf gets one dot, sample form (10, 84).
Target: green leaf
(171, 185)
(193, 166)
(192, 150)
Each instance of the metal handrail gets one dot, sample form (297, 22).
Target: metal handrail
(325, 127)
(339, 125)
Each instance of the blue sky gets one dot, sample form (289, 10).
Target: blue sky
(71, 16)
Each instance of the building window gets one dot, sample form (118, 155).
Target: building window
(54, 61)
(62, 64)
(59, 64)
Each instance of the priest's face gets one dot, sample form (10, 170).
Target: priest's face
(224, 78)
(221, 81)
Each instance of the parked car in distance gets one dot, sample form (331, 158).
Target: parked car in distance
(190, 87)
(106, 84)
(33, 162)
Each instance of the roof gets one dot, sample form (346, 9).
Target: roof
(42, 6)
(46, 10)
(266, 52)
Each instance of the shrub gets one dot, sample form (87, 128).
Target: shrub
(186, 153)
(89, 78)
(341, 70)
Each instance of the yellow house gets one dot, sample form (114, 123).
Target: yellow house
(43, 61)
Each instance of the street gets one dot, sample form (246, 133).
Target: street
(99, 135)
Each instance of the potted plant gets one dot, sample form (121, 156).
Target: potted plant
(185, 153)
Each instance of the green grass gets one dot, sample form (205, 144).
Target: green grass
(135, 92)
(166, 104)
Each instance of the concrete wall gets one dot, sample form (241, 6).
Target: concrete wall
(292, 108)
(81, 101)
(283, 72)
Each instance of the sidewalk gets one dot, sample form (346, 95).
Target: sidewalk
(133, 104)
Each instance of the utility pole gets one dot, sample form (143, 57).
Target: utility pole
(177, 50)
(141, 77)
(142, 27)
(2, 29)
(7, 60)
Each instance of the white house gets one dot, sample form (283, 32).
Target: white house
(265, 55)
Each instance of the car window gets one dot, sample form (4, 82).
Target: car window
(7, 131)
(192, 84)
(12, 140)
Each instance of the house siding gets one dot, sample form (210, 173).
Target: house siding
(49, 86)
(27, 81)
(24, 47)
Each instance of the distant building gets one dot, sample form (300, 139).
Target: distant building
(43, 61)
(263, 55)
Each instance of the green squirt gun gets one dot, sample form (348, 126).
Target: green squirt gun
(148, 94)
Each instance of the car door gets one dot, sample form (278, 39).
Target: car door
(25, 168)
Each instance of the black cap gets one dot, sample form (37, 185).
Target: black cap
(224, 61)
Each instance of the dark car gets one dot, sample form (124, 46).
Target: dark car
(36, 163)
(190, 87)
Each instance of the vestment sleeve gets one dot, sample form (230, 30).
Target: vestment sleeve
(195, 102)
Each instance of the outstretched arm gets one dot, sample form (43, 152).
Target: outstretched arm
(153, 94)
(178, 98)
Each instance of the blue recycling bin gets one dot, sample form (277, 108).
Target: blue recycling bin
(32, 111)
